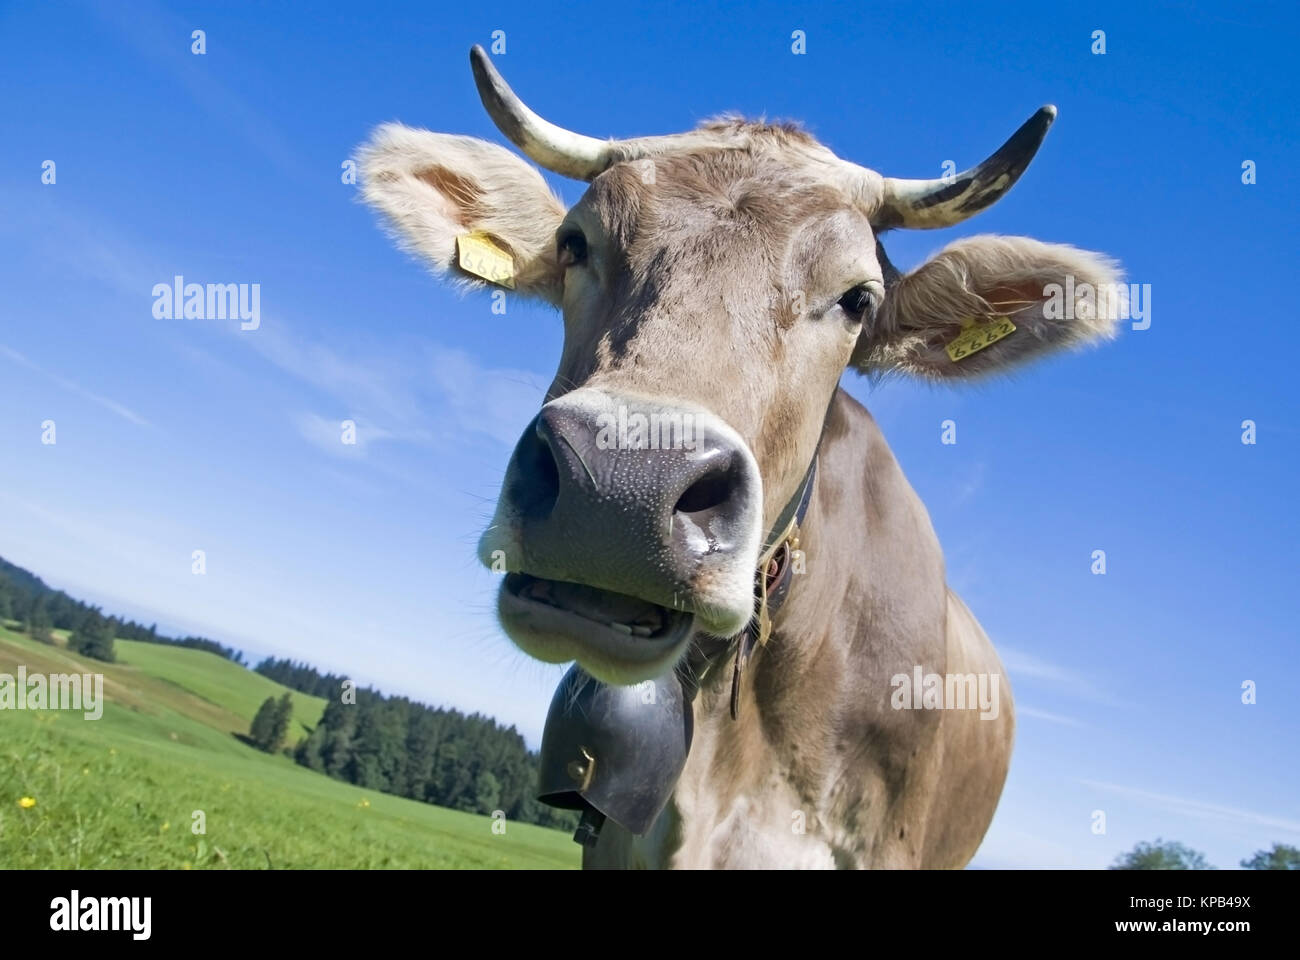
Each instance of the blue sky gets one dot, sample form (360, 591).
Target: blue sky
(176, 435)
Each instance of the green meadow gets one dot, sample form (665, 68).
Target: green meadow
(130, 789)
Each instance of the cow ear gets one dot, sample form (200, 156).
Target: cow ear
(471, 209)
(988, 303)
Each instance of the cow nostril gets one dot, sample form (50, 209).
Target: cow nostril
(710, 491)
(538, 485)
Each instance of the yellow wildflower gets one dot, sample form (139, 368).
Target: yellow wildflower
(27, 802)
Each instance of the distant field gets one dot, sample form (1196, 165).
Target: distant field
(217, 680)
(122, 791)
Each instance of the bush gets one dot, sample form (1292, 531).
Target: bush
(94, 639)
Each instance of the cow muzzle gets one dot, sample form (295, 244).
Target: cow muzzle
(625, 526)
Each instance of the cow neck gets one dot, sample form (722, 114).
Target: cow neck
(772, 579)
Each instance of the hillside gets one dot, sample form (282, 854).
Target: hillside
(122, 791)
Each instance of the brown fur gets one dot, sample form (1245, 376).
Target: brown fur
(716, 264)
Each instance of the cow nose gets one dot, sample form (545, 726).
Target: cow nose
(589, 462)
(634, 497)
(608, 476)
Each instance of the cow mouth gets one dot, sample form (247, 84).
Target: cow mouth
(557, 621)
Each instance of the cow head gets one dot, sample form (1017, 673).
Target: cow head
(714, 285)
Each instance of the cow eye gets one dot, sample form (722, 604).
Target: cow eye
(860, 302)
(571, 247)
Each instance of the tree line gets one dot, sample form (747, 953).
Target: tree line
(390, 744)
(1171, 855)
(39, 608)
(399, 746)
(301, 677)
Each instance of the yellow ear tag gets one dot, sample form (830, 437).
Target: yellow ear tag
(478, 254)
(976, 336)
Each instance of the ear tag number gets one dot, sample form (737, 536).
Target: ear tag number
(977, 336)
(478, 254)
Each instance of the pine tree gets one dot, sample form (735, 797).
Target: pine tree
(280, 727)
(38, 622)
(262, 728)
(309, 749)
(94, 638)
(487, 792)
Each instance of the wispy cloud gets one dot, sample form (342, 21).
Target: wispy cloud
(1198, 809)
(162, 37)
(493, 401)
(1023, 665)
(110, 542)
(121, 410)
(332, 436)
(971, 483)
(1027, 665)
(1006, 848)
(378, 387)
(429, 394)
(76, 239)
(1035, 713)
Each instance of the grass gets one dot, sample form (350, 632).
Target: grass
(130, 789)
(218, 681)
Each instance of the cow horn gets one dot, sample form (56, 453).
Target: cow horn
(926, 204)
(559, 150)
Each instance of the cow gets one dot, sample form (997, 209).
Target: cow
(725, 279)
